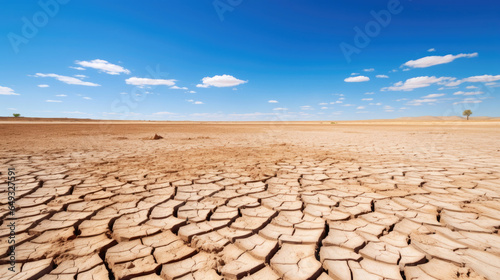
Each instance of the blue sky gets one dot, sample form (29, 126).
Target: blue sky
(249, 60)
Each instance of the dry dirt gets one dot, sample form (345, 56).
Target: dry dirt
(252, 201)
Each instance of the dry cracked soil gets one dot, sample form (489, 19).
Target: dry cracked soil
(252, 201)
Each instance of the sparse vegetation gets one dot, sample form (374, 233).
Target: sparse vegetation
(16, 115)
(467, 113)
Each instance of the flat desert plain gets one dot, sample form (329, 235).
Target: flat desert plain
(310, 200)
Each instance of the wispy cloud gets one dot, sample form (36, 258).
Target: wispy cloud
(475, 79)
(418, 102)
(417, 82)
(468, 101)
(194, 102)
(272, 101)
(53, 101)
(104, 66)
(382, 76)
(149, 82)
(164, 113)
(369, 70)
(43, 86)
(431, 50)
(61, 95)
(67, 80)
(280, 109)
(468, 93)
(429, 61)
(434, 95)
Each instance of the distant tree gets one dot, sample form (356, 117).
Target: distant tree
(16, 115)
(467, 113)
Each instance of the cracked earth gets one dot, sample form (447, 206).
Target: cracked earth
(254, 201)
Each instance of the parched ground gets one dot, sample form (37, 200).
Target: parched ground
(252, 201)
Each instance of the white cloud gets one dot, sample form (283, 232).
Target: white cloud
(192, 91)
(87, 98)
(354, 74)
(7, 91)
(124, 93)
(280, 109)
(468, 93)
(76, 113)
(324, 108)
(431, 50)
(77, 68)
(475, 79)
(434, 95)
(468, 100)
(356, 79)
(149, 82)
(61, 95)
(418, 102)
(417, 82)
(375, 104)
(471, 87)
(367, 99)
(382, 76)
(53, 101)
(360, 107)
(104, 66)
(43, 86)
(369, 93)
(306, 107)
(80, 76)
(369, 70)
(252, 114)
(194, 102)
(176, 87)
(348, 105)
(67, 80)
(323, 103)
(272, 101)
(164, 113)
(220, 81)
(429, 61)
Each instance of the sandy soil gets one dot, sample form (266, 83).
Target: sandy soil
(364, 200)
